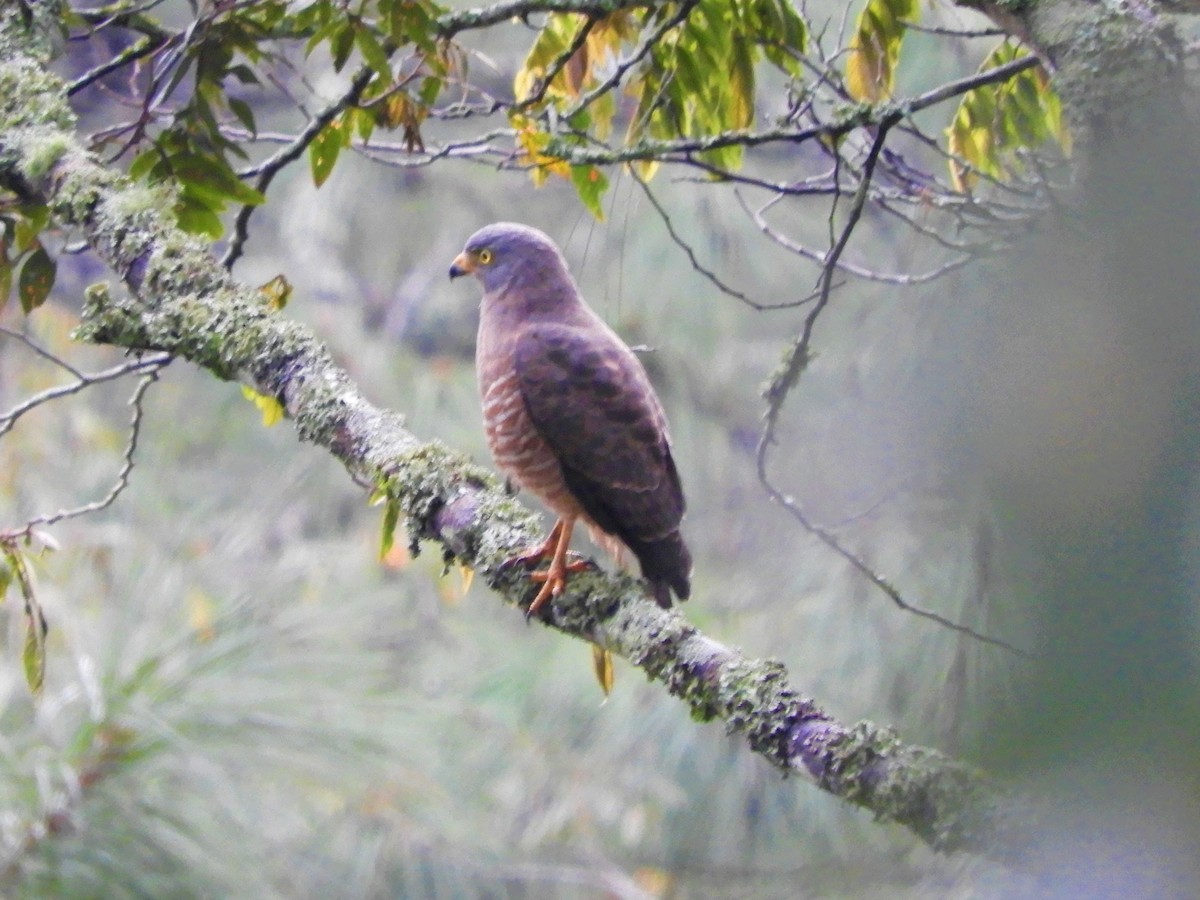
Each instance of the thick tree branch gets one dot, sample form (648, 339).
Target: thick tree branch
(179, 300)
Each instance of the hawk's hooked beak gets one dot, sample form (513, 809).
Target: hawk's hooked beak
(462, 265)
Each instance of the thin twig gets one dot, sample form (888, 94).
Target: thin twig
(147, 46)
(785, 379)
(712, 277)
(40, 350)
(85, 380)
(271, 167)
(953, 32)
(122, 480)
(824, 257)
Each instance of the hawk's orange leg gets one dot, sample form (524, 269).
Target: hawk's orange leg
(542, 550)
(554, 578)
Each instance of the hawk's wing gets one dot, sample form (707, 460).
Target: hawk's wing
(592, 403)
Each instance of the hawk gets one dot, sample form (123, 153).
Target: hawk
(570, 414)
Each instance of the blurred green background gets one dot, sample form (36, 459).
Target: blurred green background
(243, 700)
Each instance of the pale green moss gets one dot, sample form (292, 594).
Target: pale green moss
(31, 97)
(140, 199)
(40, 150)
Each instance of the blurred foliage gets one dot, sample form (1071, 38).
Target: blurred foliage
(875, 48)
(995, 123)
(245, 697)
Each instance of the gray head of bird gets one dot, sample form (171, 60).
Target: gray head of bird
(504, 255)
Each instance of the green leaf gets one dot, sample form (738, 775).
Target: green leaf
(875, 48)
(36, 278)
(144, 163)
(33, 655)
(6, 272)
(590, 184)
(324, 150)
(195, 216)
(29, 225)
(6, 578)
(244, 74)
(373, 52)
(391, 516)
(322, 34)
(245, 115)
(430, 88)
(212, 177)
(340, 47)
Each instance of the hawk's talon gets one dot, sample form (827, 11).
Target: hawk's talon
(582, 564)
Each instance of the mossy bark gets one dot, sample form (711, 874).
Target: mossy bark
(177, 299)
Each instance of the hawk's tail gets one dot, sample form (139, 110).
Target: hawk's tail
(667, 565)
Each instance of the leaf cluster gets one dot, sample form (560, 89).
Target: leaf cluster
(995, 123)
(690, 73)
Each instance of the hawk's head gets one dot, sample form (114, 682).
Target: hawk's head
(505, 253)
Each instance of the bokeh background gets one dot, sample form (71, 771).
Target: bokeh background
(244, 700)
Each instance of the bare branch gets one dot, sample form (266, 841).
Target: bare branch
(267, 170)
(40, 351)
(785, 379)
(687, 248)
(823, 257)
(83, 381)
(147, 46)
(122, 480)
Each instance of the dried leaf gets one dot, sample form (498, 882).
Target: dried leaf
(278, 290)
(602, 666)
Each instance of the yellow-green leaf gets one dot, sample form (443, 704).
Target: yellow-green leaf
(391, 516)
(29, 225)
(33, 655)
(590, 184)
(602, 666)
(277, 290)
(552, 41)
(875, 48)
(995, 121)
(6, 273)
(272, 410)
(6, 578)
(324, 150)
(741, 85)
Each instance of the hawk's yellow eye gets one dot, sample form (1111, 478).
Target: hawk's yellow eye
(485, 256)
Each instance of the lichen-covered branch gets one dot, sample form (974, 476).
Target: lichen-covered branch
(178, 299)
